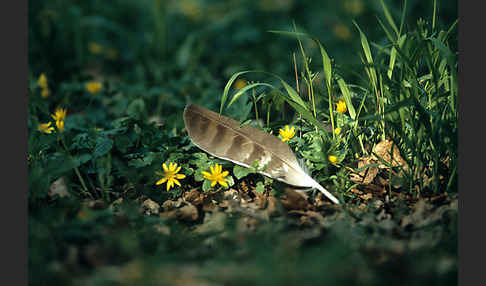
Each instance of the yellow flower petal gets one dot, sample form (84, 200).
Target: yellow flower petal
(180, 176)
(93, 87)
(341, 106)
(240, 83)
(178, 169)
(95, 48)
(333, 159)
(161, 181)
(60, 126)
(224, 174)
(45, 92)
(42, 81)
(213, 183)
(212, 169)
(223, 183)
(165, 167)
(45, 127)
(206, 174)
(177, 182)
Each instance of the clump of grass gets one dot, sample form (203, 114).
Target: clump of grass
(406, 92)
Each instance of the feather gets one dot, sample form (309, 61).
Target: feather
(226, 139)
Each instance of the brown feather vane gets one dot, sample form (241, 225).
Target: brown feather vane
(226, 139)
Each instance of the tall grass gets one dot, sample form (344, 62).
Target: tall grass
(407, 92)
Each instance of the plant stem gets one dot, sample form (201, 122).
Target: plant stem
(255, 103)
(298, 91)
(76, 170)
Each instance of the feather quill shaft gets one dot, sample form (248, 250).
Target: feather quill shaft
(226, 139)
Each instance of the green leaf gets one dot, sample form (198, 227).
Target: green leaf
(260, 187)
(241, 172)
(230, 181)
(103, 146)
(81, 159)
(124, 142)
(143, 162)
(136, 108)
(206, 186)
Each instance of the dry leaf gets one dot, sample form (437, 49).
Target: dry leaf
(170, 205)
(94, 204)
(58, 187)
(194, 197)
(293, 200)
(188, 213)
(382, 150)
(150, 207)
(366, 196)
(180, 209)
(309, 218)
(163, 229)
(272, 206)
(213, 222)
(114, 204)
(368, 174)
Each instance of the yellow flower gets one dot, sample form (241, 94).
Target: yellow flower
(60, 125)
(333, 159)
(42, 81)
(288, 133)
(45, 92)
(342, 32)
(354, 7)
(337, 131)
(45, 127)
(240, 83)
(341, 106)
(170, 175)
(59, 114)
(93, 87)
(94, 48)
(216, 176)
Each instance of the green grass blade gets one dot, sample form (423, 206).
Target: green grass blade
(387, 33)
(389, 18)
(307, 115)
(434, 15)
(369, 58)
(241, 91)
(396, 107)
(226, 90)
(326, 61)
(326, 64)
(402, 19)
(347, 97)
(294, 96)
(393, 56)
